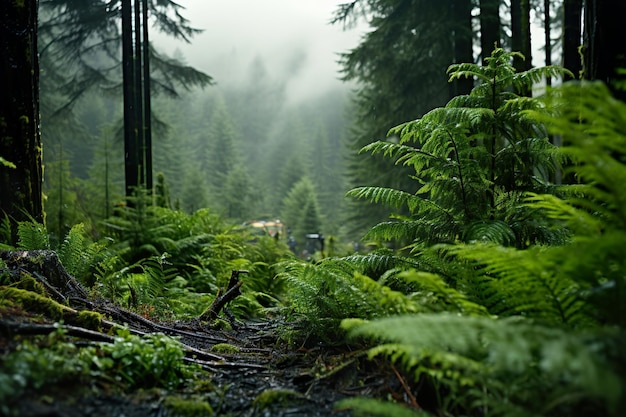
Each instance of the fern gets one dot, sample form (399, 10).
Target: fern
(493, 354)
(436, 295)
(529, 283)
(369, 407)
(32, 236)
(71, 250)
(323, 294)
(547, 337)
(473, 159)
(5, 233)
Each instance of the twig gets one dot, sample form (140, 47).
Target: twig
(33, 329)
(233, 290)
(406, 388)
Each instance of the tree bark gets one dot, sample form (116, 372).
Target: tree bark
(605, 49)
(20, 139)
(462, 18)
(572, 36)
(520, 36)
(489, 26)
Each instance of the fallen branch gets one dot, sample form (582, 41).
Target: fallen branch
(9, 329)
(233, 290)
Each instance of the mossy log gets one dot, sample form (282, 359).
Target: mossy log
(45, 267)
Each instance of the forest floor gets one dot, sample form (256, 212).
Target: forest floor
(263, 376)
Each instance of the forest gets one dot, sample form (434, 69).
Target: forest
(445, 236)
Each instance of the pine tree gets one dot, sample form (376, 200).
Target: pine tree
(301, 210)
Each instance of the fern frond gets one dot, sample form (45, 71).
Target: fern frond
(580, 221)
(31, 236)
(439, 296)
(324, 294)
(392, 150)
(378, 262)
(6, 235)
(494, 231)
(72, 249)
(537, 74)
(487, 350)
(528, 285)
(388, 196)
(369, 407)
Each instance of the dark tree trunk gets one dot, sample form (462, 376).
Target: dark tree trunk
(489, 26)
(147, 105)
(462, 38)
(131, 151)
(136, 71)
(548, 36)
(20, 139)
(520, 36)
(572, 36)
(605, 48)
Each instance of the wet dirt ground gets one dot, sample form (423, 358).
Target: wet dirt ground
(265, 377)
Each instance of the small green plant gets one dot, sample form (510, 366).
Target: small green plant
(322, 294)
(153, 361)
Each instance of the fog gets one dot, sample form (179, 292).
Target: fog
(293, 38)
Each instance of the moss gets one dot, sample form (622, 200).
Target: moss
(28, 283)
(225, 348)
(273, 396)
(182, 407)
(221, 324)
(31, 301)
(89, 319)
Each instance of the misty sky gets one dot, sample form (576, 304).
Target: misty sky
(292, 37)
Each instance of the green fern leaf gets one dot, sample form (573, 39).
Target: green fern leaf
(368, 407)
(32, 236)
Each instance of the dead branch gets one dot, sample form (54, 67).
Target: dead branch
(9, 329)
(220, 301)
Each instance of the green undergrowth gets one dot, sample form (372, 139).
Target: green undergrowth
(507, 295)
(129, 363)
(166, 264)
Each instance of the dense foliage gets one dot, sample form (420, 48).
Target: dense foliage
(499, 314)
(506, 295)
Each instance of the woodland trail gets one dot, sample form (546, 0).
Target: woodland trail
(252, 370)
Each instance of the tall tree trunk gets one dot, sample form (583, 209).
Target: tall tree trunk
(489, 26)
(20, 138)
(462, 38)
(136, 71)
(572, 36)
(605, 50)
(520, 36)
(548, 36)
(147, 106)
(131, 151)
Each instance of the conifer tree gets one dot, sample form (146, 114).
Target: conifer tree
(301, 210)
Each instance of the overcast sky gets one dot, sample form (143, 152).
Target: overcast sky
(291, 36)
